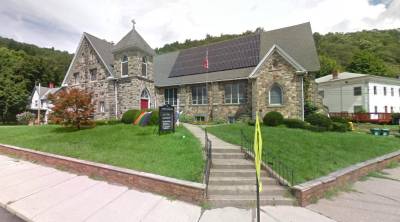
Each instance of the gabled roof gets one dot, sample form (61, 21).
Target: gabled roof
(101, 47)
(341, 76)
(295, 44)
(44, 91)
(133, 40)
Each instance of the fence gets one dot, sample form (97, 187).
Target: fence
(365, 117)
(283, 173)
(207, 167)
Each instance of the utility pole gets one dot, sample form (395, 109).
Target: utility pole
(39, 104)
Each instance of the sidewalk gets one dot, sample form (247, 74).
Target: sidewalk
(42, 194)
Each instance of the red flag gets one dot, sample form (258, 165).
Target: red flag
(205, 61)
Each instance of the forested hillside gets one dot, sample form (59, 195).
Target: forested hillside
(21, 65)
(374, 52)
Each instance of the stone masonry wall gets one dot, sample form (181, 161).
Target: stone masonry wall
(277, 70)
(131, 87)
(101, 88)
(216, 108)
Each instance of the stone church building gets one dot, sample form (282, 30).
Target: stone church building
(265, 71)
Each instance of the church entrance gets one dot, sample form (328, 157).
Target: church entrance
(145, 100)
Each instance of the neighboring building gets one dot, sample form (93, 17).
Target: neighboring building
(39, 100)
(353, 92)
(266, 71)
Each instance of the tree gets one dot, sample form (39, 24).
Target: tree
(366, 62)
(72, 107)
(328, 65)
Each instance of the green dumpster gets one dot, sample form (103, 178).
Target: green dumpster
(385, 132)
(375, 131)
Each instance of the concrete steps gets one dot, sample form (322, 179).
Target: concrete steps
(240, 181)
(273, 190)
(248, 201)
(232, 179)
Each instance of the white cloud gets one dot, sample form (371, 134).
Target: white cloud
(60, 23)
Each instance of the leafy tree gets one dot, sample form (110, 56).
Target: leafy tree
(72, 107)
(366, 62)
(328, 65)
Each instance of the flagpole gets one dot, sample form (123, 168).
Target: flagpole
(208, 101)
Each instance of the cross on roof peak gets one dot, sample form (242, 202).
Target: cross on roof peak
(133, 23)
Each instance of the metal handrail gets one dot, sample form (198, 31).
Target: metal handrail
(282, 171)
(208, 156)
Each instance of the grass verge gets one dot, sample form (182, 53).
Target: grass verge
(176, 155)
(312, 154)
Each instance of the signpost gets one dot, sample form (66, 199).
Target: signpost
(167, 119)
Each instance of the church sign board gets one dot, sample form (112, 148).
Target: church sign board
(167, 120)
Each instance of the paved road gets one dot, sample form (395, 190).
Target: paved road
(376, 199)
(5, 216)
(43, 194)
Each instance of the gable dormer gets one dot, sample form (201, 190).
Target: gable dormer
(133, 56)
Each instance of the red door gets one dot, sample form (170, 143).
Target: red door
(144, 104)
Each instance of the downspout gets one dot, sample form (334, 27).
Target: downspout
(302, 73)
(116, 98)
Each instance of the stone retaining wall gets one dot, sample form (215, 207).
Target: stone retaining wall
(312, 190)
(180, 189)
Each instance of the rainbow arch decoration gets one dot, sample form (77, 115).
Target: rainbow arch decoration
(143, 119)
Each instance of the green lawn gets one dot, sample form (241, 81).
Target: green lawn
(313, 154)
(176, 155)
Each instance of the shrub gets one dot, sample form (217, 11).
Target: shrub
(295, 123)
(186, 118)
(309, 108)
(130, 116)
(154, 117)
(219, 121)
(340, 127)
(341, 120)
(72, 107)
(273, 119)
(25, 117)
(251, 122)
(319, 120)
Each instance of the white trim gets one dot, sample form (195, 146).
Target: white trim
(281, 52)
(122, 62)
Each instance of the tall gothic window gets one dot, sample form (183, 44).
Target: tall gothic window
(124, 66)
(144, 66)
(275, 95)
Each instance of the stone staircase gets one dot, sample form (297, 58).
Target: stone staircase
(232, 177)
(232, 181)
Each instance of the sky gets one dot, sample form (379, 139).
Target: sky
(60, 24)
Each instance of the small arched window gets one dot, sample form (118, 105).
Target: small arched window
(144, 66)
(145, 94)
(275, 95)
(124, 66)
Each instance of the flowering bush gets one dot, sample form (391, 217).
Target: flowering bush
(25, 117)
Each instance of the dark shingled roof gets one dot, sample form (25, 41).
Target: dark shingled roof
(233, 54)
(103, 48)
(185, 67)
(133, 40)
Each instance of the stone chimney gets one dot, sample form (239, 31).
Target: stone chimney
(335, 74)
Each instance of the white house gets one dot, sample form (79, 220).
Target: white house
(354, 92)
(39, 100)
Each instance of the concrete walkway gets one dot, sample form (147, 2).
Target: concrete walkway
(376, 199)
(42, 194)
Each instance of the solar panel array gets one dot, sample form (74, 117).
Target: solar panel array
(233, 54)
